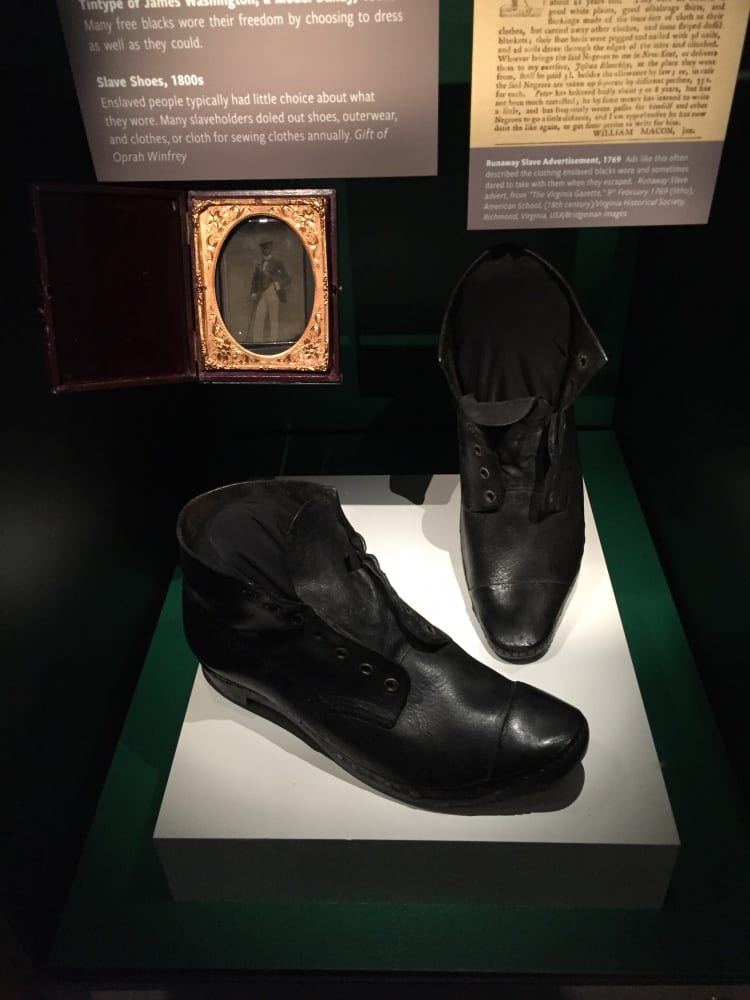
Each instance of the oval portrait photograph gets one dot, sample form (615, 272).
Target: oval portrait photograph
(265, 287)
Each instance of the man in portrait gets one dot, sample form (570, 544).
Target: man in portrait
(267, 289)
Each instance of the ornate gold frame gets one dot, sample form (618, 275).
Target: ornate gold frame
(212, 218)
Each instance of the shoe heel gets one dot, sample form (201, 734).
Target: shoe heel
(256, 703)
(233, 692)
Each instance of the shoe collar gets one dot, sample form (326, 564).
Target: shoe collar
(585, 357)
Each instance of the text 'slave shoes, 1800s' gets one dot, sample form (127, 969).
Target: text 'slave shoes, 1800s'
(516, 351)
(287, 611)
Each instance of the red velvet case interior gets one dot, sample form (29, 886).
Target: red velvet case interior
(114, 266)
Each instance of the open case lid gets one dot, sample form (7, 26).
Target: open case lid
(114, 268)
(145, 286)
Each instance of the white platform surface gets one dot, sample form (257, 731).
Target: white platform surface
(245, 797)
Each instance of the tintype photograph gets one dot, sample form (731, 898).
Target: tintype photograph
(262, 264)
(265, 286)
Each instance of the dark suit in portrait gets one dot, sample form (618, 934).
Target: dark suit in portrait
(267, 289)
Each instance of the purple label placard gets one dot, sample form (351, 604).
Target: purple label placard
(551, 187)
(240, 89)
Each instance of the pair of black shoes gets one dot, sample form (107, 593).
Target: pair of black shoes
(290, 614)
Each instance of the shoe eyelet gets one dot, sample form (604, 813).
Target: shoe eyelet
(583, 360)
(317, 635)
(430, 628)
(484, 472)
(366, 669)
(490, 496)
(391, 685)
(476, 449)
(341, 652)
(298, 618)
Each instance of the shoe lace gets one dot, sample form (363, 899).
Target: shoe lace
(527, 438)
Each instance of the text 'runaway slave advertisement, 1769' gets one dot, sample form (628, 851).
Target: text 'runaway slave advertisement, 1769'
(227, 89)
(599, 112)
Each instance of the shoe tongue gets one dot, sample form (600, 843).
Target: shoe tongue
(513, 331)
(244, 539)
(325, 563)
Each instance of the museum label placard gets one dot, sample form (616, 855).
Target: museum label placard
(599, 112)
(239, 89)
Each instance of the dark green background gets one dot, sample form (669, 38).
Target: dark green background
(92, 483)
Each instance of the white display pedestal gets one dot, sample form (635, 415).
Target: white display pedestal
(250, 812)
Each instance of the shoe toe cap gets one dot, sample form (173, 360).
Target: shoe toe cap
(520, 620)
(542, 736)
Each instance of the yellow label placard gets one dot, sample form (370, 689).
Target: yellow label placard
(549, 72)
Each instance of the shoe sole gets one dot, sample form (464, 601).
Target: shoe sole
(513, 656)
(250, 700)
(531, 653)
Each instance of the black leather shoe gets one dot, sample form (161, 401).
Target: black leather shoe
(517, 351)
(288, 612)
